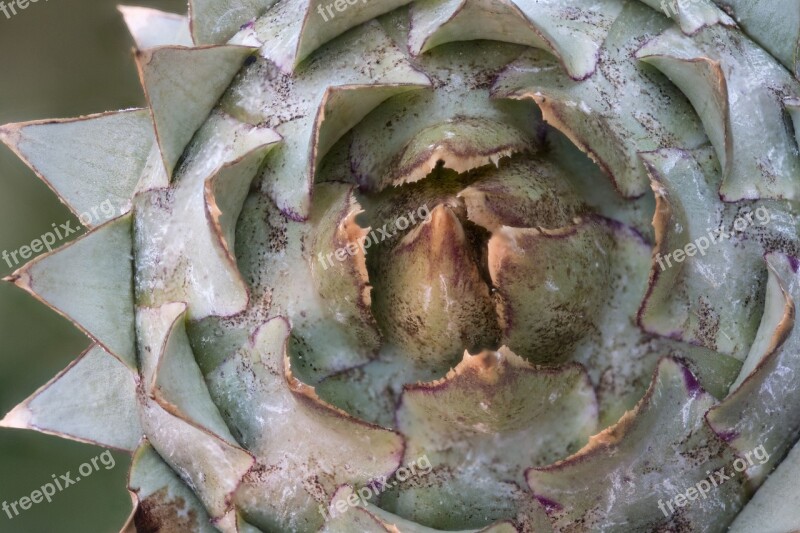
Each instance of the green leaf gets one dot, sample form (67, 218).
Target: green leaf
(595, 188)
(177, 383)
(90, 281)
(330, 93)
(370, 391)
(618, 355)
(92, 163)
(301, 443)
(574, 39)
(216, 21)
(367, 518)
(211, 465)
(93, 400)
(774, 24)
(492, 417)
(182, 85)
(151, 27)
(691, 16)
(341, 277)
(460, 144)
(617, 482)
(522, 193)
(715, 70)
(776, 505)
(701, 240)
(272, 249)
(293, 29)
(623, 109)
(550, 284)
(193, 260)
(227, 190)
(458, 123)
(163, 501)
(756, 413)
(416, 285)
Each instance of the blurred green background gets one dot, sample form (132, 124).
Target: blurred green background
(57, 59)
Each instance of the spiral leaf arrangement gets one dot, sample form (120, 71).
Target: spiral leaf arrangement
(548, 245)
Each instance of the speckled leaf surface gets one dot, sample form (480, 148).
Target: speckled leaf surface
(757, 413)
(611, 485)
(211, 465)
(362, 81)
(522, 194)
(178, 385)
(367, 518)
(738, 112)
(387, 146)
(691, 16)
(550, 192)
(623, 109)
(492, 417)
(339, 248)
(163, 502)
(775, 508)
(575, 40)
(286, 39)
(618, 355)
(273, 250)
(184, 244)
(774, 24)
(596, 189)
(437, 22)
(182, 85)
(416, 285)
(685, 299)
(276, 416)
(550, 284)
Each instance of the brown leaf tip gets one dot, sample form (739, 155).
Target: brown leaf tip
(9, 135)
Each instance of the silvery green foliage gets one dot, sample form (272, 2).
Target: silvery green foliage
(354, 234)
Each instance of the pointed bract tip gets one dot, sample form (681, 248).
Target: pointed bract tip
(7, 133)
(20, 278)
(18, 418)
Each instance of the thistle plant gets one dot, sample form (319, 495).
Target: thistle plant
(548, 245)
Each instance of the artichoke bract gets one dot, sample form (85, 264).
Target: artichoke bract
(444, 265)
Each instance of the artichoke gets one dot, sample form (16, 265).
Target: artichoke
(485, 265)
